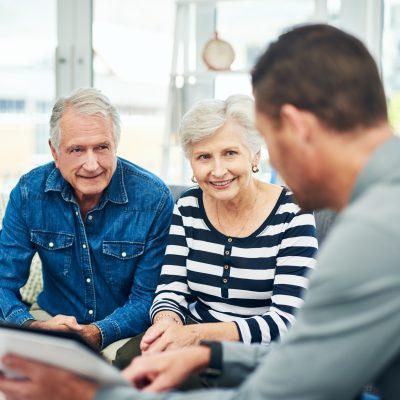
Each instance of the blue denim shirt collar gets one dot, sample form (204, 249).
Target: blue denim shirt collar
(115, 191)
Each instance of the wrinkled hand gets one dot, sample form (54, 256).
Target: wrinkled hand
(44, 382)
(174, 337)
(154, 332)
(60, 322)
(165, 371)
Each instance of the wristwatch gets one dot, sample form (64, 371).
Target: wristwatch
(214, 368)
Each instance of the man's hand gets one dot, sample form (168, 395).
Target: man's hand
(66, 323)
(60, 322)
(91, 333)
(165, 371)
(174, 337)
(44, 382)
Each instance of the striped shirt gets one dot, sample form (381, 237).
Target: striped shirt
(256, 282)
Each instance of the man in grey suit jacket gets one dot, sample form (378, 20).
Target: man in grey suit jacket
(322, 111)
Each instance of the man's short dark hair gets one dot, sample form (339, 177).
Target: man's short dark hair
(323, 70)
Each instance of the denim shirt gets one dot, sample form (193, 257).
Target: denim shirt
(102, 270)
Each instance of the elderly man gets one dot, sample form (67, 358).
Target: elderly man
(322, 110)
(99, 224)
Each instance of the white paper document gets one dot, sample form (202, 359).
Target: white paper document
(58, 350)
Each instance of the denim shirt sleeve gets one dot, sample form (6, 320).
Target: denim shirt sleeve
(16, 253)
(133, 317)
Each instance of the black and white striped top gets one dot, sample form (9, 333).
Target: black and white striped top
(256, 281)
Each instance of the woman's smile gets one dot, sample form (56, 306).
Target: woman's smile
(220, 185)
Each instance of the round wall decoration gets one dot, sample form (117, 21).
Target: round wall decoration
(218, 54)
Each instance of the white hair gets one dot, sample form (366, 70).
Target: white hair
(88, 101)
(209, 115)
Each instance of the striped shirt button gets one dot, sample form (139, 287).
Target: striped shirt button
(225, 280)
(229, 240)
(227, 252)
(226, 266)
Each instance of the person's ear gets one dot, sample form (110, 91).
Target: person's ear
(299, 123)
(54, 153)
(256, 158)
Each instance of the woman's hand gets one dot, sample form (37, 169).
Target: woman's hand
(174, 336)
(165, 371)
(154, 332)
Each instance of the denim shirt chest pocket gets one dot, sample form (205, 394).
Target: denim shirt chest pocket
(54, 249)
(121, 258)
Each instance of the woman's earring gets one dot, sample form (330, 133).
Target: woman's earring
(255, 169)
(193, 179)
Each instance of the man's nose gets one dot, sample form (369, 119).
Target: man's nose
(90, 163)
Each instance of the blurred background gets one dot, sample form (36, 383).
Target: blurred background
(146, 56)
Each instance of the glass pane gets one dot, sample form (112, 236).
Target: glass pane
(249, 26)
(333, 7)
(132, 41)
(27, 85)
(391, 60)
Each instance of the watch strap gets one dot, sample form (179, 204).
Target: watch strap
(214, 367)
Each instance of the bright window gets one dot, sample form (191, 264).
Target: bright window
(132, 43)
(27, 84)
(391, 60)
(249, 26)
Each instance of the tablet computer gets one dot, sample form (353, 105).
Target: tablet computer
(61, 349)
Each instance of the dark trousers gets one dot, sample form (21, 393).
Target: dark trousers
(131, 349)
(128, 352)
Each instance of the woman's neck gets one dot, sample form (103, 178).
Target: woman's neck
(243, 201)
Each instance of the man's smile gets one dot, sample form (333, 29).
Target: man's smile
(92, 177)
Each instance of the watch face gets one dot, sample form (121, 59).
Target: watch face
(218, 54)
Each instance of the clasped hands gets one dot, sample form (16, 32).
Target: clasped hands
(66, 323)
(167, 334)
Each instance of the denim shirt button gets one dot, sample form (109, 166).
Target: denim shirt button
(90, 312)
(51, 244)
(88, 280)
(123, 254)
(90, 217)
(84, 245)
(76, 213)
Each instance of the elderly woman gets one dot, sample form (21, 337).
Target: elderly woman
(239, 249)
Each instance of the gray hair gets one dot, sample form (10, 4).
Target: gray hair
(88, 101)
(207, 116)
